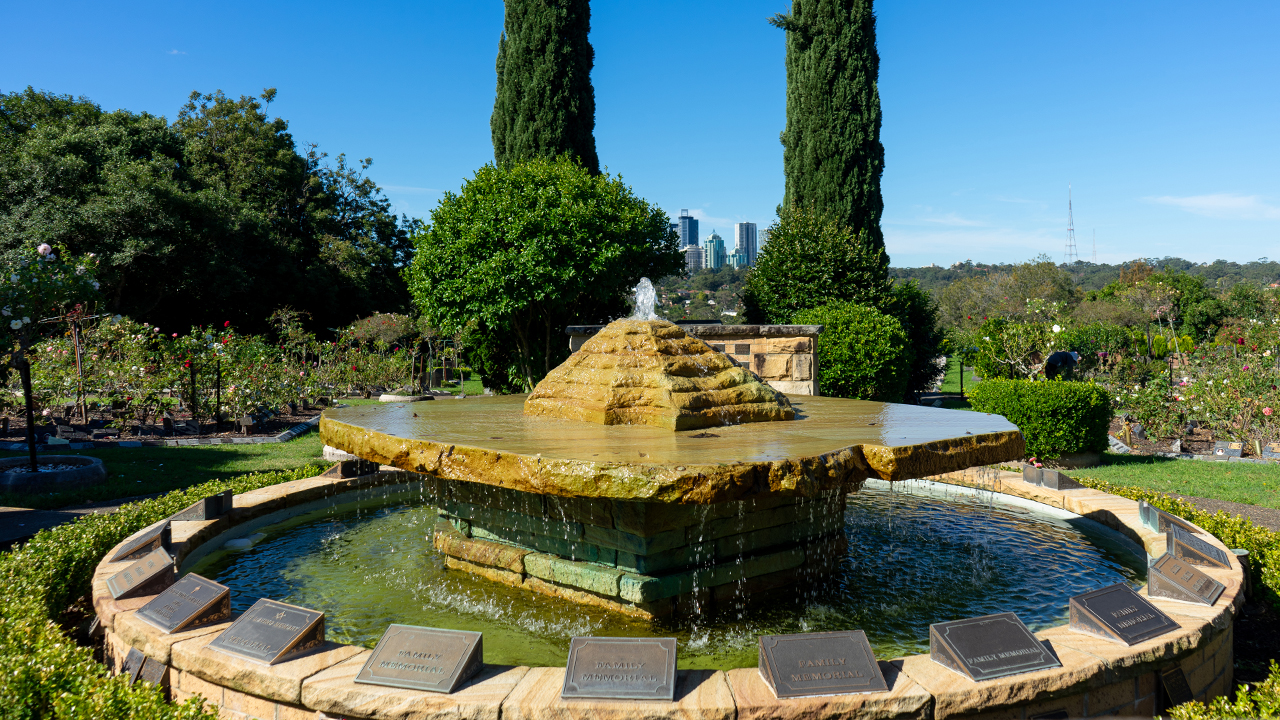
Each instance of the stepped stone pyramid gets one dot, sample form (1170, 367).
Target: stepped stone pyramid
(650, 372)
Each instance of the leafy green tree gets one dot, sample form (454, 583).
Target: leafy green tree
(526, 249)
(918, 313)
(545, 104)
(214, 217)
(832, 155)
(812, 258)
(862, 352)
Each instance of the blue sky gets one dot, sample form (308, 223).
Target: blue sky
(1161, 116)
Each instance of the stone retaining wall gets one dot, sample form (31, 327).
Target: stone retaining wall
(1096, 678)
(642, 559)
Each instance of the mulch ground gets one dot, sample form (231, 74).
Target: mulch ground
(96, 430)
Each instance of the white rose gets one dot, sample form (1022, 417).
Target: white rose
(16, 324)
(26, 320)
(1057, 328)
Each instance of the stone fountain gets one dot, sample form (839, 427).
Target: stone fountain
(652, 475)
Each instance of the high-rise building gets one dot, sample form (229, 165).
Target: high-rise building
(688, 229)
(737, 260)
(692, 259)
(744, 241)
(713, 255)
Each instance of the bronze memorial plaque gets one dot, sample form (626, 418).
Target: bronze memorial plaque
(188, 604)
(1174, 683)
(133, 661)
(271, 632)
(208, 508)
(154, 672)
(826, 663)
(1157, 520)
(1119, 614)
(1185, 546)
(156, 536)
(149, 574)
(1169, 577)
(621, 668)
(420, 658)
(988, 647)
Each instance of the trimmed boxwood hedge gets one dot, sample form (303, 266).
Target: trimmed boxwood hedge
(1056, 417)
(43, 672)
(1262, 701)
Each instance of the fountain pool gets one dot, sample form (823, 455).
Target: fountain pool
(917, 553)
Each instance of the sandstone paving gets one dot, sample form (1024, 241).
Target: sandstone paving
(700, 695)
(904, 699)
(334, 692)
(154, 642)
(281, 682)
(955, 694)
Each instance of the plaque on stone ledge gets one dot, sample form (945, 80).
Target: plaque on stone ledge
(988, 647)
(1119, 614)
(621, 668)
(271, 632)
(1174, 683)
(1157, 520)
(147, 575)
(156, 536)
(1169, 577)
(132, 664)
(1224, 448)
(827, 663)
(208, 508)
(188, 604)
(420, 658)
(1193, 549)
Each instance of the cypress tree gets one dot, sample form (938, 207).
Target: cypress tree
(545, 104)
(832, 154)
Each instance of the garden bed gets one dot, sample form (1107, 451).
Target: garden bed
(1200, 442)
(96, 434)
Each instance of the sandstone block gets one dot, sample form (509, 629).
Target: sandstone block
(700, 694)
(151, 640)
(802, 368)
(772, 366)
(588, 511)
(282, 682)
(335, 693)
(482, 552)
(904, 699)
(790, 345)
(639, 544)
(678, 558)
(1117, 696)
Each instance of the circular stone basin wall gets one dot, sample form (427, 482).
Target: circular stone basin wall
(1097, 677)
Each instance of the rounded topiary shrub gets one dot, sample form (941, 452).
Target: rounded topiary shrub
(862, 353)
(1056, 417)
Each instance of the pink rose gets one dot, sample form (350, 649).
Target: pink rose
(1266, 411)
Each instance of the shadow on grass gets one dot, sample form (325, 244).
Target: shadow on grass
(150, 470)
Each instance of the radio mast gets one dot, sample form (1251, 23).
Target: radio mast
(1070, 256)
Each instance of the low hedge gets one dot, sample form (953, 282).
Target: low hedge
(43, 673)
(863, 353)
(1262, 701)
(1056, 417)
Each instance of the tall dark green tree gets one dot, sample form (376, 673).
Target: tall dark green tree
(545, 106)
(832, 154)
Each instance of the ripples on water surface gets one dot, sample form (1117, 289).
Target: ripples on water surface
(917, 555)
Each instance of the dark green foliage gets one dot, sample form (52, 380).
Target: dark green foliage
(1093, 340)
(811, 258)
(42, 672)
(832, 154)
(1056, 417)
(528, 248)
(918, 313)
(862, 353)
(215, 217)
(545, 104)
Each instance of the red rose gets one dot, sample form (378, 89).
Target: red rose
(226, 324)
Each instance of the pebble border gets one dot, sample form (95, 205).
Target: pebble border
(1097, 678)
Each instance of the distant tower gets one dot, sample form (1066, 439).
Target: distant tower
(688, 229)
(1095, 246)
(1070, 256)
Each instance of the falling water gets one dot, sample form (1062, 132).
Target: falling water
(645, 298)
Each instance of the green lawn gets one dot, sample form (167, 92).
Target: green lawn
(1234, 482)
(951, 381)
(148, 470)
